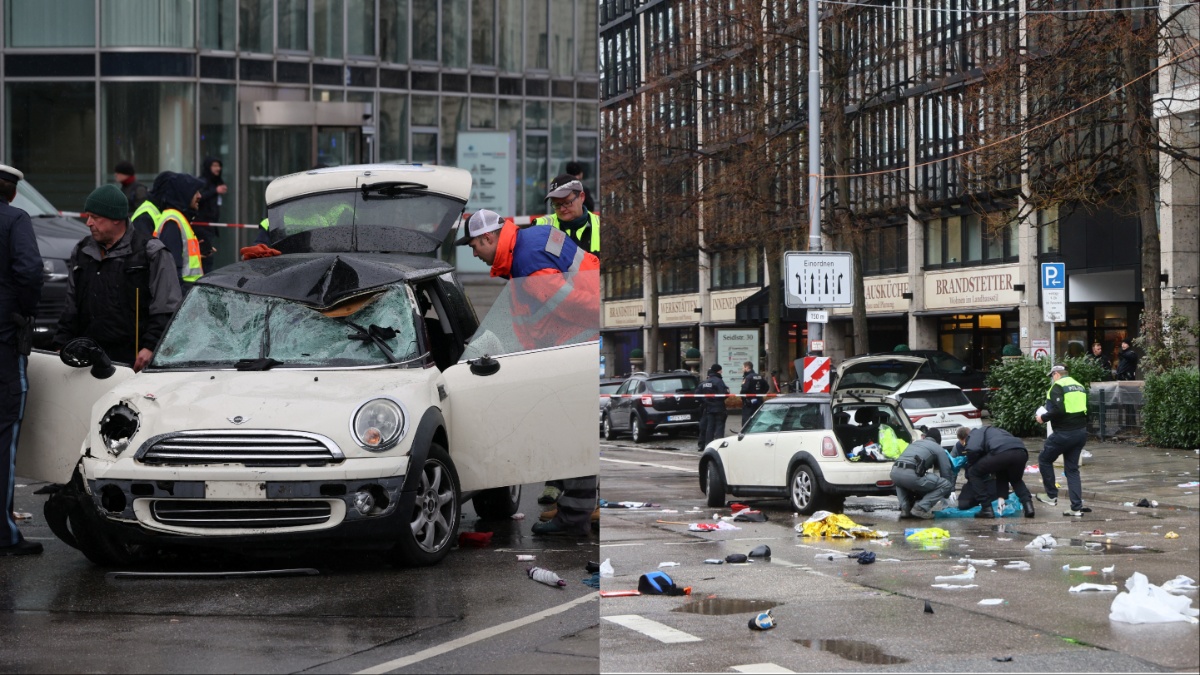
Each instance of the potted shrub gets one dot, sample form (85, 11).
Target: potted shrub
(637, 359)
(691, 359)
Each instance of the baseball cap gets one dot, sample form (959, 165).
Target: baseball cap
(481, 222)
(564, 186)
(10, 174)
(1058, 369)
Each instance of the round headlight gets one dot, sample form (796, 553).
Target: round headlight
(378, 424)
(117, 427)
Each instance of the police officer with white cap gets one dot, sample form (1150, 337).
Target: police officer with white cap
(20, 290)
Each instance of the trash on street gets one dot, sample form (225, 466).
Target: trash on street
(714, 561)
(1171, 535)
(659, 583)
(667, 564)
(736, 558)
(1081, 568)
(764, 621)
(477, 539)
(545, 576)
(1044, 542)
(969, 574)
(619, 594)
(712, 527)
(760, 551)
(606, 569)
(1020, 565)
(982, 563)
(991, 601)
(1093, 587)
(1143, 602)
(836, 525)
(953, 586)
(926, 534)
(1180, 584)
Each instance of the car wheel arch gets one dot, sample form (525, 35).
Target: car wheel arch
(808, 460)
(431, 429)
(709, 460)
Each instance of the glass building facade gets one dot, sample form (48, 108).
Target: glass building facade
(165, 83)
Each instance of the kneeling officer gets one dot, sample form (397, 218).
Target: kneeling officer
(912, 480)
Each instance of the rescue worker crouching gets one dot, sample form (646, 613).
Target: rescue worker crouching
(994, 458)
(123, 285)
(917, 489)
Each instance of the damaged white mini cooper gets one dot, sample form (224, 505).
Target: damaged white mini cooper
(340, 394)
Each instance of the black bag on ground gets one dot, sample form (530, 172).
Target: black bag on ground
(658, 583)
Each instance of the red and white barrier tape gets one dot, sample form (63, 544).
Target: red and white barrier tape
(664, 396)
(517, 220)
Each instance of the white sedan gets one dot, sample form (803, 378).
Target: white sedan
(939, 405)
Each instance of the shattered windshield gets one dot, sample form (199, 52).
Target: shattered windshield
(549, 310)
(224, 328)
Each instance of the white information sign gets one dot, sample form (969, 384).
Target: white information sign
(735, 347)
(818, 279)
(1054, 292)
(491, 158)
(818, 316)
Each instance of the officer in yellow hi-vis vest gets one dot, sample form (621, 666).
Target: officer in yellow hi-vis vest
(566, 199)
(1066, 411)
(163, 216)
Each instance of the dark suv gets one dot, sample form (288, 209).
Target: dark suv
(940, 365)
(647, 403)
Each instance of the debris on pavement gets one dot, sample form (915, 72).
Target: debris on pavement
(1093, 587)
(1171, 535)
(928, 608)
(954, 585)
(926, 534)
(1193, 483)
(1108, 570)
(1044, 542)
(22, 515)
(1081, 568)
(518, 516)
(1143, 602)
(1002, 659)
(1146, 503)
(545, 576)
(760, 551)
(712, 527)
(991, 601)
(1180, 584)
(606, 569)
(593, 581)
(1020, 565)
(714, 561)
(969, 574)
(736, 558)
(526, 558)
(667, 564)
(477, 539)
(764, 621)
(982, 563)
(835, 525)
(865, 558)
(658, 583)
(619, 594)
(749, 516)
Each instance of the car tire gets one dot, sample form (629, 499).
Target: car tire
(637, 430)
(715, 490)
(609, 433)
(429, 530)
(497, 503)
(87, 529)
(804, 491)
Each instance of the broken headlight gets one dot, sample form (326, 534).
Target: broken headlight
(117, 427)
(378, 424)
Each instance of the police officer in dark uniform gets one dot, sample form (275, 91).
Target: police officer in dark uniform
(752, 383)
(994, 457)
(1066, 411)
(712, 424)
(20, 290)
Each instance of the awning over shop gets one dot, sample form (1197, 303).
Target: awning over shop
(754, 309)
(965, 310)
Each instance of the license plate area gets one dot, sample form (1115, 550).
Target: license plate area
(235, 489)
(679, 418)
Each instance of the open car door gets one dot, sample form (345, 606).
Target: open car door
(520, 405)
(58, 410)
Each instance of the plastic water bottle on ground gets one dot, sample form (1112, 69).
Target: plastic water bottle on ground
(546, 577)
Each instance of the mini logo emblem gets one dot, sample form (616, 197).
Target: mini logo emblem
(238, 420)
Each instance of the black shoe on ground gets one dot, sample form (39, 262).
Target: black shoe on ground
(986, 512)
(556, 529)
(22, 548)
(1027, 507)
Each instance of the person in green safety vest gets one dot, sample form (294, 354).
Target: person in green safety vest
(1066, 411)
(165, 215)
(570, 215)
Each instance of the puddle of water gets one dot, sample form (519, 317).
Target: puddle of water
(853, 650)
(1109, 547)
(723, 606)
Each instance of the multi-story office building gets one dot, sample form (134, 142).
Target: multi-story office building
(276, 86)
(950, 240)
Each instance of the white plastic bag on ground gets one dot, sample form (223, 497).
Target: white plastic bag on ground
(1017, 565)
(965, 576)
(1093, 587)
(1180, 584)
(1043, 541)
(1146, 603)
(606, 569)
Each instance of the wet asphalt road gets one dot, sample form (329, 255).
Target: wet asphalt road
(837, 615)
(477, 611)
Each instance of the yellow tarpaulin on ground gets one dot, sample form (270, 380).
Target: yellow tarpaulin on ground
(825, 524)
(928, 535)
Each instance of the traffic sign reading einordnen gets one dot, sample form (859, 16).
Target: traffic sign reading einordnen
(818, 279)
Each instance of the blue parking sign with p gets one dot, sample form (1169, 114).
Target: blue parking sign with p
(1054, 275)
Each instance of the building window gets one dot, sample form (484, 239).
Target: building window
(360, 27)
(327, 28)
(585, 17)
(622, 283)
(537, 156)
(291, 25)
(736, 269)
(151, 124)
(425, 33)
(678, 275)
(393, 127)
(536, 46)
(147, 23)
(885, 250)
(257, 25)
(51, 136)
(511, 31)
(455, 33)
(65, 23)
(562, 37)
(483, 113)
(1047, 222)
(971, 239)
(483, 32)
(218, 19)
(454, 120)
(393, 30)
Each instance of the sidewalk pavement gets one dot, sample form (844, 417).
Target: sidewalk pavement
(1124, 472)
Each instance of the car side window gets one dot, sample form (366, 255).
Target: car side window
(768, 419)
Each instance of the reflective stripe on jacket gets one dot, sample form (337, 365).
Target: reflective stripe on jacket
(192, 269)
(593, 220)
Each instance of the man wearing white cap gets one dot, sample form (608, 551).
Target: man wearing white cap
(20, 290)
(1066, 410)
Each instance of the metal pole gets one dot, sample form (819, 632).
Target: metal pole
(815, 330)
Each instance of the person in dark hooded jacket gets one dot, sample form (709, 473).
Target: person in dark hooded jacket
(173, 191)
(209, 209)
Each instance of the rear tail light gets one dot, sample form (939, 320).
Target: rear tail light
(647, 400)
(972, 414)
(884, 483)
(918, 418)
(828, 448)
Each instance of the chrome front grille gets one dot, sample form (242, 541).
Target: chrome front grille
(249, 447)
(216, 514)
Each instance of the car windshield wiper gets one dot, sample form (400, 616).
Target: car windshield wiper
(377, 335)
(393, 189)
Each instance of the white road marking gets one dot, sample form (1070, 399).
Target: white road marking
(659, 466)
(674, 453)
(654, 629)
(484, 634)
(761, 668)
(608, 545)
